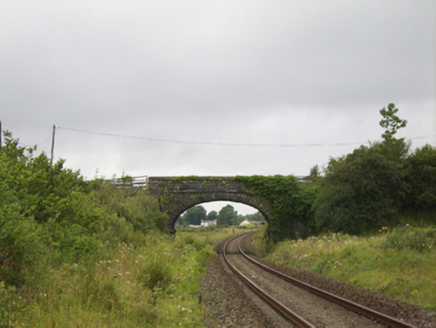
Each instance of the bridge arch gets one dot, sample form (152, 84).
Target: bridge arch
(237, 198)
(177, 194)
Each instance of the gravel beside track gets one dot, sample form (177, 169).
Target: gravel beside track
(230, 304)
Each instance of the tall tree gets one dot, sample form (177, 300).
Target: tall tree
(394, 149)
(212, 216)
(314, 172)
(256, 217)
(391, 122)
(364, 190)
(194, 215)
(227, 216)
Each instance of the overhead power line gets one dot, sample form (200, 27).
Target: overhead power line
(206, 143)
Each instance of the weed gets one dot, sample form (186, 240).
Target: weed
(155, 273)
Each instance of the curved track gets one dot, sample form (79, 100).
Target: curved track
(286, 312)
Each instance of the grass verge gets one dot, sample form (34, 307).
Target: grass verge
(398, 263)
(154, 285)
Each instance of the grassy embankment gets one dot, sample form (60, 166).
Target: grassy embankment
(151, 280)
(152, 283)
(398, 262)
(76, 253)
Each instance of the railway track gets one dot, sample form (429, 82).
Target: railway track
(291, 315)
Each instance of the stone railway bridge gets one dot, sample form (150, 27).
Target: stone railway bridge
(177, 194)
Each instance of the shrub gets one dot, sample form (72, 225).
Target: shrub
(73, 251)
(205, 255)
(20, 248)
(361, 191)
(155, 273)
(421, 178)
(143, 214)
(417, 239)
(261, 241)
(45, 208)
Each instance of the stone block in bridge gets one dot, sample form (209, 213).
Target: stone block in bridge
(177, 194)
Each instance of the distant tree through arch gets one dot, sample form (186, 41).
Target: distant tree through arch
(178, 194)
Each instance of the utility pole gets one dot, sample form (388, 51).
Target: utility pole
(52, 144)
(1, 132)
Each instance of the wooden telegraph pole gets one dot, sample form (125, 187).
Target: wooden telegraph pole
(52, 144)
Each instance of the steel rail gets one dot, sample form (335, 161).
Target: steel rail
(276, 305)
(375, 315)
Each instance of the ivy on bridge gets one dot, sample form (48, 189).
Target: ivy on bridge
(284, 201)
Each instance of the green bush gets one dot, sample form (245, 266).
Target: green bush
(261, 241)
(205, 255)
(86, 252)
(50, 215)
(417, 239)
(143, 214)
(156, 273)
(20, 248)
(20, 239)
(420, 171)
(362, 191)
(366, 190)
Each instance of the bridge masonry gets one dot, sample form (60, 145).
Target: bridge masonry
(177, 194)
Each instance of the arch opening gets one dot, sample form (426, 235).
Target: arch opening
(220, 212)
(177, 194)
(180, 207)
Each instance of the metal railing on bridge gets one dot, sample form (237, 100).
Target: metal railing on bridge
(303, 179)
(139, 182)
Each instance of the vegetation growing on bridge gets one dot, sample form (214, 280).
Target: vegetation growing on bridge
(290, 201)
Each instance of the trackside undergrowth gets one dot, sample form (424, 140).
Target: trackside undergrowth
(396, 262)
(77, 253)
(155, 284)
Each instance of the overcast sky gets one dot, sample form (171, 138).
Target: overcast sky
(214, 87)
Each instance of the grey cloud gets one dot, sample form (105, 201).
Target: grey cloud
(266, 72)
